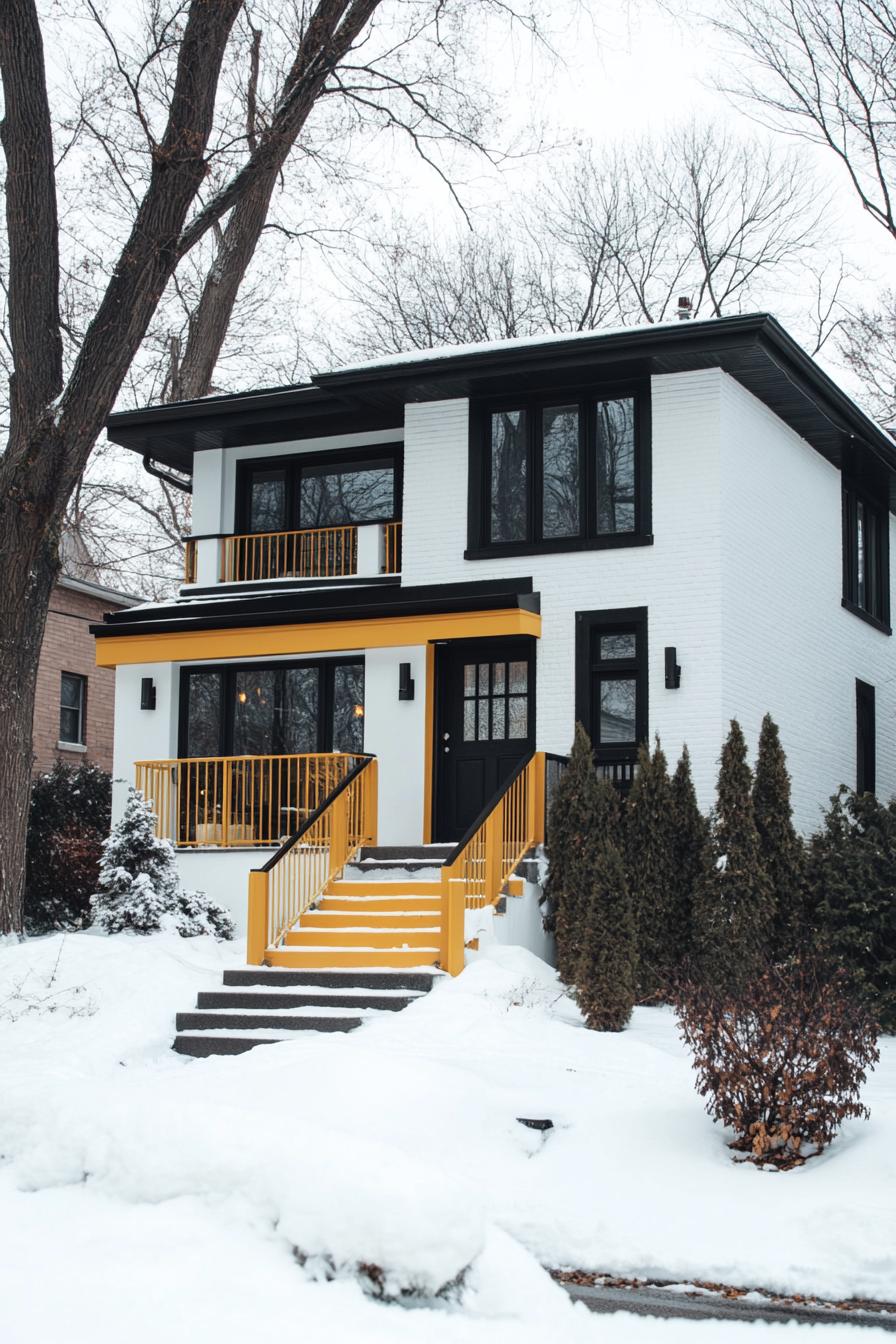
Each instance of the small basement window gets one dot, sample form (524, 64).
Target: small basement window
(72, 707)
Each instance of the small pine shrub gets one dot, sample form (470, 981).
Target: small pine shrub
(782, 1061)
(649, 863)
(733, 909)
(852, 890)
(572, 843)
(139, 889)
(690, 859)
(68, 821)
(781, 849)
(607, 974)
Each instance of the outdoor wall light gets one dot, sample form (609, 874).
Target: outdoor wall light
(147, 693)
(673, 671)
(405, 682)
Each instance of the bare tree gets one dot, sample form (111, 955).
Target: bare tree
(611, 239)
(824, 70)
(868, 348)
(160, 153)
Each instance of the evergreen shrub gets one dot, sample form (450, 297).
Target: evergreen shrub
(572, 844)
(781, 850)
(782, 1060)
(606, 976)
(139, 888)
(68, 821)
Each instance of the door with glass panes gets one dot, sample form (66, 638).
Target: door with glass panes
(485, 725)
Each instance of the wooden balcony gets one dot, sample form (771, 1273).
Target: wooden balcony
(227, 801)
(363, 550)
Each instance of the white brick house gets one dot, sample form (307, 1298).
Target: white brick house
(568, 519)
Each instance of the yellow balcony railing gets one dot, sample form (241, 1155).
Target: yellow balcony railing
(312, 553)
(474, 875)
(392, 548)
(296, 876)
(190, 560)
(225, 801)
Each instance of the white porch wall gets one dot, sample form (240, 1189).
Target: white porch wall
(394, 730)
(142, 734)
(678, 578)
(789, 647)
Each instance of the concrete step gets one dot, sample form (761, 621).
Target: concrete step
(362, 937)
(330, 958)
(275, 978)
(433, 853)
(385, 1001)
(346, 1020)
(391, 868)
(203, 1044)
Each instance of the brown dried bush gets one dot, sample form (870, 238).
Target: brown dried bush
(780, 1061)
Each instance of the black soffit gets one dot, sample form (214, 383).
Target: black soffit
(303, 608)
(754, 349)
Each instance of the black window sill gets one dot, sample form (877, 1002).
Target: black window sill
(559, 545)
(866, 616)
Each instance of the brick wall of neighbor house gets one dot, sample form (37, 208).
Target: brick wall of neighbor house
(69, 647)
(677, 579)
(788, 645)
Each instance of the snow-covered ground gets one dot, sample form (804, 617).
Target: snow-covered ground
(144, 1196)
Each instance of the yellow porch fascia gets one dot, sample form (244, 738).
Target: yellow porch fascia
(267, 641)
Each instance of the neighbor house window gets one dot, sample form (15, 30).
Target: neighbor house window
(319, 490)
(560, 475)
(866, 555)
(611, 687)
(273, 709)
(72, 707)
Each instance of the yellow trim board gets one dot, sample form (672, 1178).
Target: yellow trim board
(182, 646)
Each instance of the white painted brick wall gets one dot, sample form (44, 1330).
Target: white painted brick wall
(678, 578)
(788, 645)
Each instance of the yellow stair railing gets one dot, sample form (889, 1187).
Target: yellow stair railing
(295, 877)
(474, 875)
(223, 801)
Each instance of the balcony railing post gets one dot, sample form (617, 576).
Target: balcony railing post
(537, 799)
(257, 931)
(371, 804)
(494, 856)
(452, 910)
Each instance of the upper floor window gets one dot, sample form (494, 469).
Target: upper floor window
(560, 474)
(72, 707)
(320, 490)
(866, 554)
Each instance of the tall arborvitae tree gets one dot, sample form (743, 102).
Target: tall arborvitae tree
(649, 865)
(607, 975)
(781, 848)
(852, 887)
(690, 861)
(572, 839)
(733, 905)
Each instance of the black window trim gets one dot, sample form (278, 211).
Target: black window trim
(479, 543)
(81, 679)
(854, 490)
(226, 724)
(292, 464)
(607, 621)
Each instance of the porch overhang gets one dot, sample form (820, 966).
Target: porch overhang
(254, 627)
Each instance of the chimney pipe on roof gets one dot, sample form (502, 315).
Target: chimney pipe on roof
(685, 308)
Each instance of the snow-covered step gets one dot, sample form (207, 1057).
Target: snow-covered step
(389, 1000)
(308, 937)
(334, 1019)
(332, 958)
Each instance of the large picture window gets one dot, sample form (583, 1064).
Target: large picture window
(611, 686)
(319, 490)
(564, 474)
(273, 709)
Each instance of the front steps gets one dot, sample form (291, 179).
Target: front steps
(260, 1006)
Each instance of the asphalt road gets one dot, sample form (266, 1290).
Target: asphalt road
(665, 1304)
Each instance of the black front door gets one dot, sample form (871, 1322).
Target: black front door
(485, 725)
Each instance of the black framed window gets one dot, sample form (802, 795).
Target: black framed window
(611, 686)
(319, 490)
(272, 709)
(496, 700)
(866, 554)
(562, 473)
(73, 709)
(866, 739)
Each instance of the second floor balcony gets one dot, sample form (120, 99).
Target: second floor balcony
(361, 551)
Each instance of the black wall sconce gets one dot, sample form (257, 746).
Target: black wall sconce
(673, 671)
(405, 682)
(147, 693)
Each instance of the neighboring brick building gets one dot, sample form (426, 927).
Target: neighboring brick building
(73, 710)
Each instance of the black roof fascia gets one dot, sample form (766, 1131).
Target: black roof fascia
(343, 605)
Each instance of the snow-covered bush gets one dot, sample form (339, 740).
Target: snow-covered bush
(781, 1060)
(139, 888)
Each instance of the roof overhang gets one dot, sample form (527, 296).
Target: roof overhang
(754, 349)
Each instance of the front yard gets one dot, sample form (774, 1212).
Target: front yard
(146, 1196)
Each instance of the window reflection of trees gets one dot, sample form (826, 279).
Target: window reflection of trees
(336, 496)
(509, 520)
(616, 466)
(560, 440)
